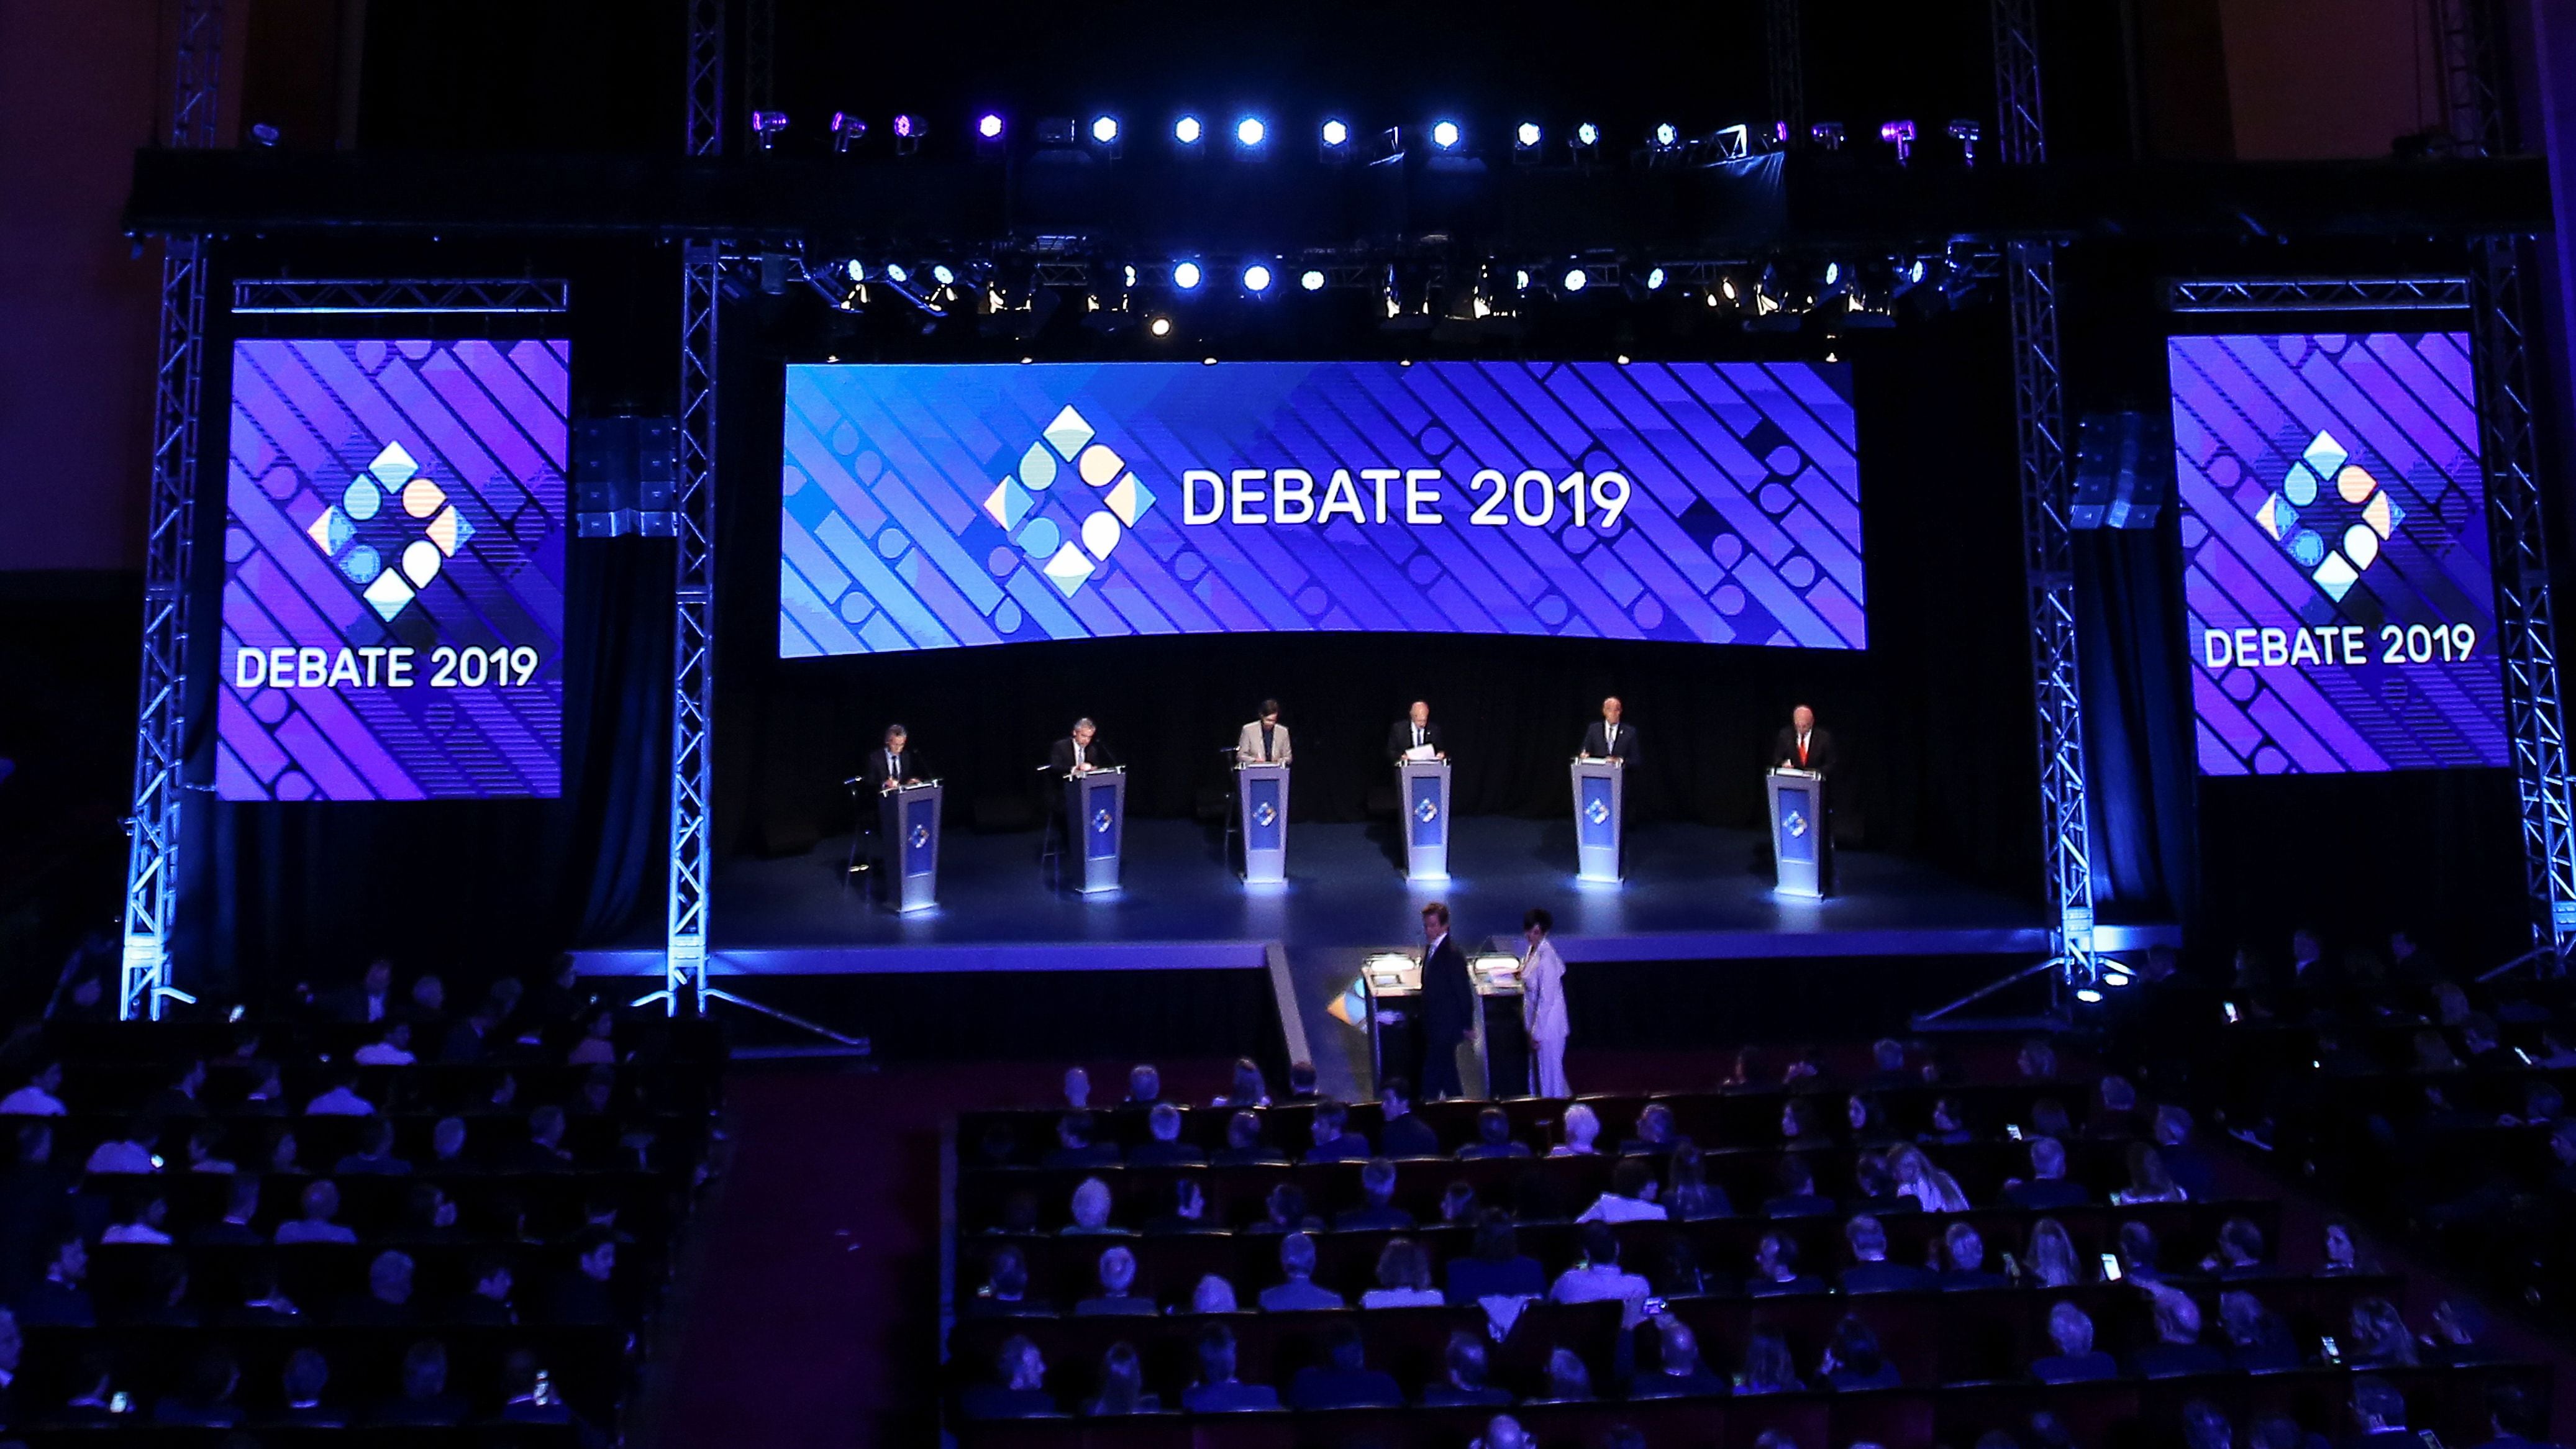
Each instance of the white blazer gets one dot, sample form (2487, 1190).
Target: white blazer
(1247, 746)
(1543, 992)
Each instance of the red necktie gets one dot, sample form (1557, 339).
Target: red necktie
(1802, 749)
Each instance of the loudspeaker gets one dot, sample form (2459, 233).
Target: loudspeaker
(623, 471)
(2123, 470)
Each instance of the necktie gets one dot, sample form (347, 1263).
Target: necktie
(1610, 737)
(1802, 749)
(1265, 742)
(1417, 734)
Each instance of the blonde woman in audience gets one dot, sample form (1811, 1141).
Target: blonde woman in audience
(1932, 1189)
(2052, 1255)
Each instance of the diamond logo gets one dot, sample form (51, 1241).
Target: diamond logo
(358, 533)
(1067, 552)
(1426, 810)
(1100, 822)
(1264, 816)
(1598, 812)
(2324, 488)
(920, 836)
(1796, 825)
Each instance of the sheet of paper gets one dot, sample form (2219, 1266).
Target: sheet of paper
(1419, 752)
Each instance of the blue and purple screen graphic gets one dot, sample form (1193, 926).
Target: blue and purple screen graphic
(2334, 533)
(934, 506)
(393, 571)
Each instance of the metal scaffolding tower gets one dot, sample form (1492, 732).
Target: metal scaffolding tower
(161, 709)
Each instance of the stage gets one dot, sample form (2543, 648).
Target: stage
(1693, 902)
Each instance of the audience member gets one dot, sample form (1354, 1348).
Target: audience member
(2239, 1251)
(1494, 1267)
(424, 1398)
(307, 1375)
(1654, 1132)
(140, 1221)
(2177, 1349)
(340, 1098)
(1248, 1089)
(1075, 1145)
(318, 1224)
(2052, 1255)
(1768, 1368)
(1077, 1089)
(1963, 1253)
(1852, 1359)
(2148, 1181)
(2459, 1335)
(1775, 1270)
(1117, 1273)
(57, 1300)
(1569, 1380)
(1122, 1386)
(587, 1294)
(1334, 1140)
(387, 1301)
(1144, 1086)
(1217, 1392)
(1870, 1271)
(1343, 1380)
(1597, 1277)
(1091, 1203)
(130, 1152)
(2257, 1343)
(1189, 1210)
(1502, 1432)
(1403, 1134)
(2379, 1413)
(1163, 1146)
(1462, 1383)
(1678, 1371)
(1297, 1290)
(1243, 1144)
(1285, 1212)
(2047, 1189)
(1494, 1137)
(1379, 1212)
(1582, 1132)
(1932, 1189)
(1403, 1278)
(1797, 1197)
(1629, 1198)
(2378, 1337)
(2071, 1329)
(1211, 1294)
(1019, 1387)
(40, 1097)
(208, 1401)
(1693, 1198)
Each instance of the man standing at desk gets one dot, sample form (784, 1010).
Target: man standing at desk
(1265, 740)
(1448, 1002)
(898, 763)
(1414, 732)
(1802, 746)
(1607, 738)
(1081, 752)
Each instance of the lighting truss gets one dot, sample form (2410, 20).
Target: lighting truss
(2535, 717)
(706, 63)
(506, 296)
(2317, 294)
(161, 706)
(693, 508)
(2047, 499)
(1783, 49)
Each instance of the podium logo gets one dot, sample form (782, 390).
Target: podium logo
(1264, 816)
(920, 836)
(1100, 822)
(2325, 491)
(1426, 810)
(358, 532)
(1796, 825)
(1115, 502)
(1598, 812)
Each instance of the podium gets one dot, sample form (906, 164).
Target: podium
(1423, 786)
(1599, 816)
(1801, 833)
(1261, 794)
(1095, 818)
(908, 829)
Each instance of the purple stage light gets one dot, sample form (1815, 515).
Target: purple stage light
(989, 126)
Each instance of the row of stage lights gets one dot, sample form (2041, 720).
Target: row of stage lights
(1777, 296)
(1337, 141)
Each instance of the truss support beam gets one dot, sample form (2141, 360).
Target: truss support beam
(161, 707)
(693, 507)
(2317, 294)
(413, 296)
(706, 79)
(1785, 51)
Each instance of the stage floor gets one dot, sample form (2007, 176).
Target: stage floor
(1692, 893)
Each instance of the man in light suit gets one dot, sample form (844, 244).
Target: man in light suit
(1414, 731)
(1448, 1004)
(1609, 738)
(1265, 740)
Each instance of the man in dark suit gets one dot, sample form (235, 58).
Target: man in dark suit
(1870, 1271)
(1609, 737)
(1448, 997)
(1414, 731)
(2047, 1189)
(1081, 752)
(896, 762)
(1802, 746)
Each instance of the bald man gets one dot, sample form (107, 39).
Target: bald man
(1802, 746)
(1412, 732)
(1611, 737)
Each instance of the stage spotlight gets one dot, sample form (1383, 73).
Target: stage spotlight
(1336, 133)
(1899, 134)
(942, 274)
(1250, 132)
(896, 273)
(766, 127)
(989, 126)
(1654, 279)
(1311, 279)
(1576, 279)
(858, 270)
(1526, 136)
(1256, 279)
(1104, 130)
(1520, 279)
(1160, 326)
(1967, 133)
(1187, 276)
(1727, 287)
(1446, 135)
(1130, 274)
(908, 131)
(264, 135)
(1667, 135)
(1188, 131)
(1587, 135)
(1828, 134)
(847, 131)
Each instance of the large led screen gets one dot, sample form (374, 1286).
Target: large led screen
(2334, 533)
(932, 506)
(393, 571)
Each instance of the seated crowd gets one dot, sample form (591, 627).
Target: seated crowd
(367, 1210)
(1872, 1253)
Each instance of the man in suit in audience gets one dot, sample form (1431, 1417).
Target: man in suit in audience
(1870, 1271)
(2178, 1349)
(1343, 1381)
(1117, 1276)
(1377, 1183)
(1610, 737)
(585, 1295)
(1679, 1372)
(1403, 1134)
(1297, 1292)
(1414, 732)
(1802, 746)
(1163, 1146)
(1334, 1139)
(1448, 1004)
(1463, 1382)
(1775, 1270)
(2047, 1189)
(1217, 1391)
(2076, 1359)
(1265, 740)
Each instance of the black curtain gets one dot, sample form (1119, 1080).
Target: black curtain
(2139, 771)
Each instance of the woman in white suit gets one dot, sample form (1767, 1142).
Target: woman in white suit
(1543, 1003)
